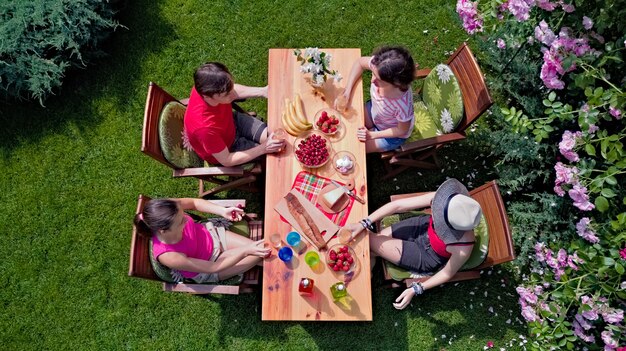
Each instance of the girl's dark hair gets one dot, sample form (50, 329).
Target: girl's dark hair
(213, 78)
(395, 65)
(157, 214)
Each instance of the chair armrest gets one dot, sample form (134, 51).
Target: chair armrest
(209, 171)
(417, 145)
(422, 73)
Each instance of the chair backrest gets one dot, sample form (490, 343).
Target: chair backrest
(150, 145)
(476, 98)
(139, 265)
(500, 240)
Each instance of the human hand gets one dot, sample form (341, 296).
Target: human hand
(363, 134)
(257, 249)
(273, 144)
(404, 299)
(234, 214)
(264, 91)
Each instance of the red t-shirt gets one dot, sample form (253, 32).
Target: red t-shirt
(210, 129)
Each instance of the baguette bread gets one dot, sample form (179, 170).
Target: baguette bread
(306, 223)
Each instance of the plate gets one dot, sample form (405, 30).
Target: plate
(303, 150)
(353, 267)
(330, 112)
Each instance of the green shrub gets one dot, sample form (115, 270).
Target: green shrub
(41, 39)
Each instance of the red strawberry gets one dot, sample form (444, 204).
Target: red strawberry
(336, 268)
(346, 268)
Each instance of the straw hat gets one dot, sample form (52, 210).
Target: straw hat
(454, 211)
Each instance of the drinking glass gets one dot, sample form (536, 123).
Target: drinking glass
(293, 239)
(285, 254)
(280, 134)
(276, 240)
(312, 258)
(341, 102)
(344, 236)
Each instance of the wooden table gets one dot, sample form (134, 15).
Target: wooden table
(281, 300)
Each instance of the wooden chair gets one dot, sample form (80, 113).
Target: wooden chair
(236, 177)
(140, 267)
(476, 100)
(500, 240)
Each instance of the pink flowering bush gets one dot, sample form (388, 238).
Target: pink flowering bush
(569, 95)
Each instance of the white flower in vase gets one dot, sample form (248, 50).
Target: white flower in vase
(316, 62)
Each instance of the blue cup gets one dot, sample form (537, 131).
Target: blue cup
(285, 254)
(293, 239)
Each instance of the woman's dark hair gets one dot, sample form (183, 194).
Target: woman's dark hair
(395, 66)
(157, 214)
(213, 78)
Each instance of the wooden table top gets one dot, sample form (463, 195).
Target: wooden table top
(281, 300)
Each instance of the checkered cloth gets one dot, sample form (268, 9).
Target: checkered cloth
(310, 186)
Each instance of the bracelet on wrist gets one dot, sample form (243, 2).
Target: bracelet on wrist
(418, 289)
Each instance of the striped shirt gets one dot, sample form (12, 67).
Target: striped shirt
(387, 113)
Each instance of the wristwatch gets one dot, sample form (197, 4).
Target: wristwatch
(367, 224)
(418, 289)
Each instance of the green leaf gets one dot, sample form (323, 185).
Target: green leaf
(591, 151)
(547, 103)
(611, 180)
(607, 192)
(608, 261)
(552, 96)
(619, 268)
(602, 204)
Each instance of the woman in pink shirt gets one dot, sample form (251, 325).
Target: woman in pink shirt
(197, 251)
(389, 116)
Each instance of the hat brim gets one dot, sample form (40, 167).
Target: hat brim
(449, 187)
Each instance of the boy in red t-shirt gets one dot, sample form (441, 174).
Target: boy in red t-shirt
(216, 132)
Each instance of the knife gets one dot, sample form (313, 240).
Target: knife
(349, 192)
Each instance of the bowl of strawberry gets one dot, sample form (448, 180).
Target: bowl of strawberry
(312, 150)
(341, 259)
(327, 122)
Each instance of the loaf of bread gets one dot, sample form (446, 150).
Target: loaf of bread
(304, 220)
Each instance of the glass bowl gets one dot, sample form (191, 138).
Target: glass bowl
(331, 113)
(315, 147)
(339, 160)
(332, 263)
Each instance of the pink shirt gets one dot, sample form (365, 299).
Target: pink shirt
(387, 113)
(196, 242)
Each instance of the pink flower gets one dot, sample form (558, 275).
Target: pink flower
(622, 253)
(567, 144)
(597, 37)
(546, 5)
(549, 70)
(501, 44)
(565, 174)
(592, 129)
(615, 112)
(527, 295)
(584, 230)
(544, 34)
(573, 260)
(607, 337)
(569, 8)
(540, 249)
(468, 11)
(520, 9)
(559, 191)
(561, 257)
(578, 193)
(587, 23)
(582, 321)
(489, 344)
(613, 316)
(579, 332)
(529, 314)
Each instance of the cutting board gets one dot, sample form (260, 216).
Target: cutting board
(322, 222)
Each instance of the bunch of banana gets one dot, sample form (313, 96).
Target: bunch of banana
(293, 118)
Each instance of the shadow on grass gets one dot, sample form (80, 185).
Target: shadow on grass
(110, 78)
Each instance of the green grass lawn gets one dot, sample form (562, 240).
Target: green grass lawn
(71, 173)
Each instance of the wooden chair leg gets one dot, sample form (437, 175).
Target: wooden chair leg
(229, 185)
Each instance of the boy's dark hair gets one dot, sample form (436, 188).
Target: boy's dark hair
(157, 214)
(213, 78)
(395, 65)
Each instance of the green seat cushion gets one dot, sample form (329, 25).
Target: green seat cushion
(171, 128)
(442, 99)
(477, 257)
(172, 276)
(424, 127)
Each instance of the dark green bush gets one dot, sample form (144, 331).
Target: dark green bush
(41, 39)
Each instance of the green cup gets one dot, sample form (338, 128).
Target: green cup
(312, 258)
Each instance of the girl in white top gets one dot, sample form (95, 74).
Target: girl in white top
(389, 116)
